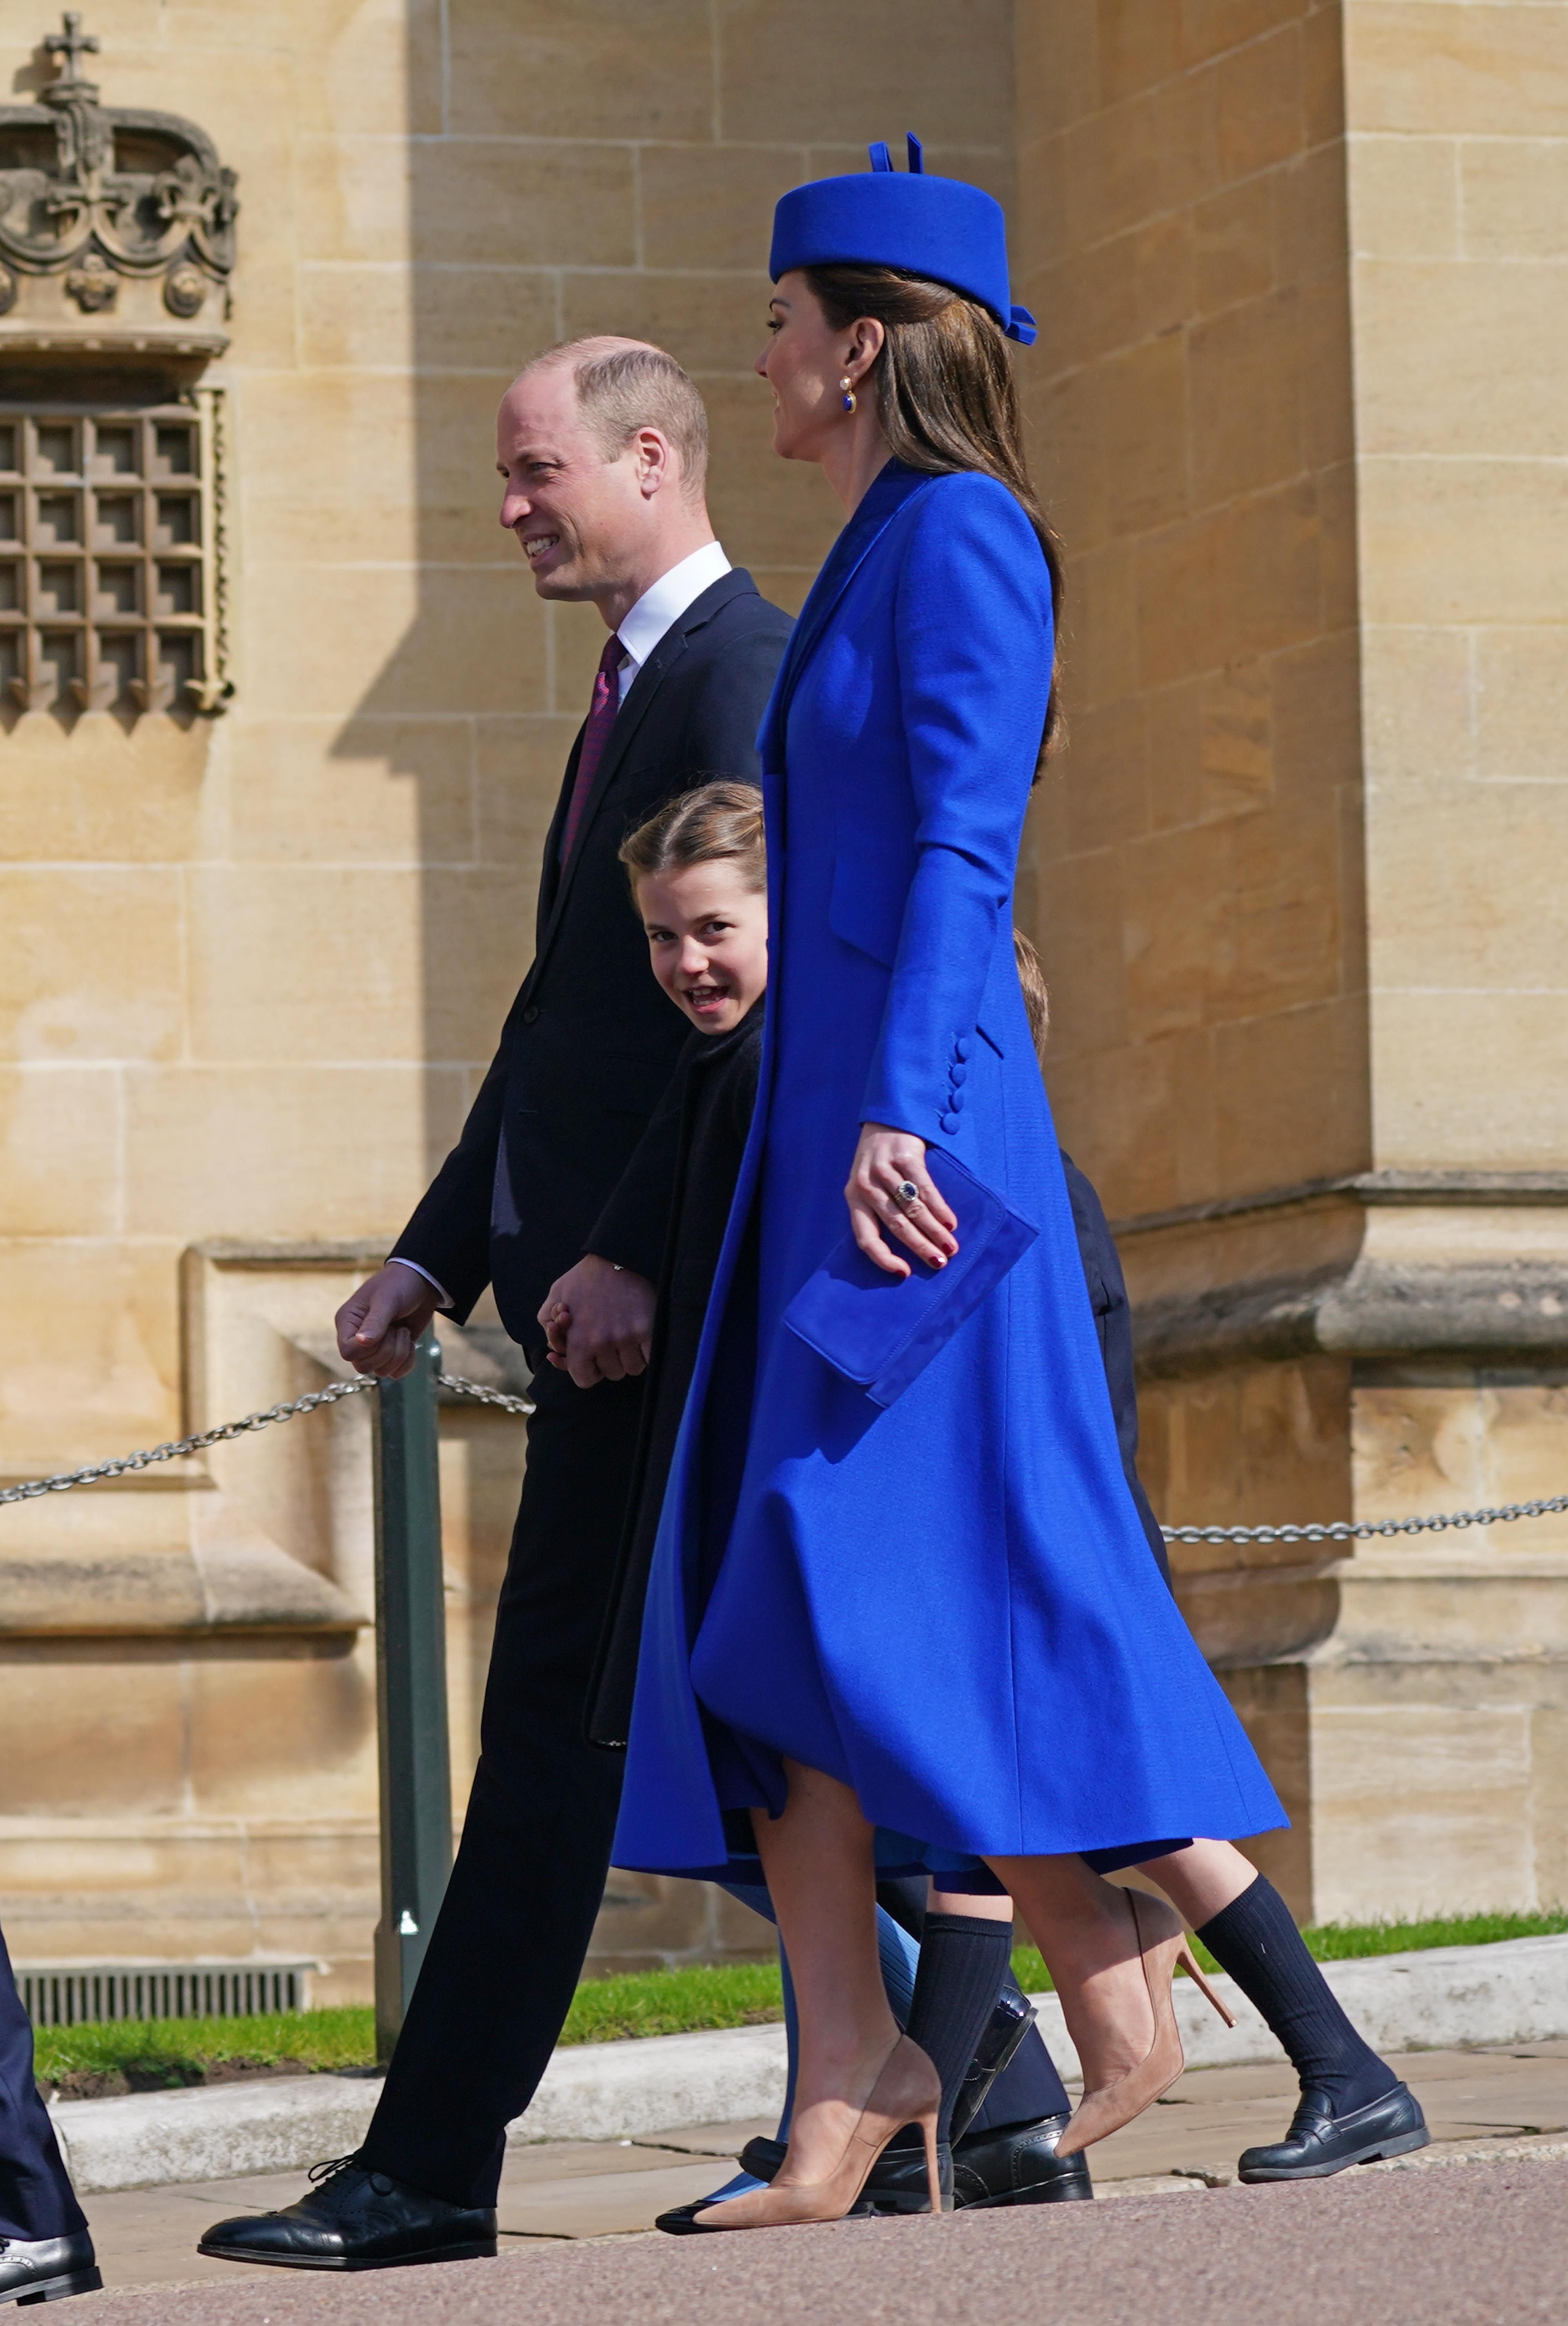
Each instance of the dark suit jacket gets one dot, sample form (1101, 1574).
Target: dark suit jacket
(590, 1042)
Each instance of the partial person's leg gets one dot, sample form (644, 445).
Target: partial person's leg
(1352, 2100)
(1029, 2090)
(858, 2078)
(898, 1956)
(965, 1957)
(1112, 1954)
(514, 1928)
(45, 2250)
(821, 1877)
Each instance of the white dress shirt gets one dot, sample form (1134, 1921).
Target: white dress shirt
(664, 603)
(654, 613)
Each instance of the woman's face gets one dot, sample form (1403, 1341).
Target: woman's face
(707, 940)
(803, 363)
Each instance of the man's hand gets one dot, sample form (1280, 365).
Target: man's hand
(599, 1322)
(378, 1326)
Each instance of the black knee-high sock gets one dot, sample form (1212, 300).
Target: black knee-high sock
(964, 1960)
(1255, 1940)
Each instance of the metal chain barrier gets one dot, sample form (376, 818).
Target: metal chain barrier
(1363, 1530)
(174, 1448)
(485, 1396)
(1335, 1530)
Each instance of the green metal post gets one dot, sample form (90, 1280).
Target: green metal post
(410, 1687)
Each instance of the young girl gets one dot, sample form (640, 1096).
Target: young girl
(698, 873)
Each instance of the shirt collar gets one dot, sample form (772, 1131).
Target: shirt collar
(659, 607)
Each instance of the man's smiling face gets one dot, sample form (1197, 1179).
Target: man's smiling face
(574, 514)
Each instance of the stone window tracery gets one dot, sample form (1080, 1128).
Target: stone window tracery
(116, 253)
(109, 576)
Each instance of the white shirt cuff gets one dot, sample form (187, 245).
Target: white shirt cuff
(443, 1297)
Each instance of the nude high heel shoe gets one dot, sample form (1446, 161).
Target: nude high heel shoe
(907, 2090)
(1106, 2107)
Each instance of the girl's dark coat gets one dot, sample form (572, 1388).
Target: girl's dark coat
(708, 1109)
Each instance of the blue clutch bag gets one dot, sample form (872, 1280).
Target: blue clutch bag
(881, 1331)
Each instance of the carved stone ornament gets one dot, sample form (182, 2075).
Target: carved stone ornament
(110, 212)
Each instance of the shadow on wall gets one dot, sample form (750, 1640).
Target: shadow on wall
(645, 210)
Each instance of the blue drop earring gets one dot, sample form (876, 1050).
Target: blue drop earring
(848, 391)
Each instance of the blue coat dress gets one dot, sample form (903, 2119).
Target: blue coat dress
(947, 1602)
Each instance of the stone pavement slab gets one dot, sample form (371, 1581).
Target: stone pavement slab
(550, 2189)
(557, 2190)
(1507, 1994)
(1482, 2244)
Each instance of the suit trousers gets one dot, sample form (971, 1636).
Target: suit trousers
(514, 1928)
(36, 2198)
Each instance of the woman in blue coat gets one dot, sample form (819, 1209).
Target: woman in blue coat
(903, 1609)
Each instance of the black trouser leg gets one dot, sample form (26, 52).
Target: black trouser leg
(36, 2198)
(514, 1928)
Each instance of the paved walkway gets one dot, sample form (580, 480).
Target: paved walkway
(1469, 2242)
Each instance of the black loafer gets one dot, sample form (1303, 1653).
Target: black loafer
(1019, 2166)
(356, 2220)
(1010, 2020)
(1319, 2143)
(47, 2269)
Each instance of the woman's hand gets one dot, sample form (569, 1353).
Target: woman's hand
(885, 1162)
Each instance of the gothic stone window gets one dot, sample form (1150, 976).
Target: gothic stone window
(116, 249)
(108, 581)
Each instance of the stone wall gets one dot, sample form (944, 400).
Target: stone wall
(1298, 267)
(1182, 232)
(254, 964)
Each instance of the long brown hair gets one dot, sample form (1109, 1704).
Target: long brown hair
(947, 398)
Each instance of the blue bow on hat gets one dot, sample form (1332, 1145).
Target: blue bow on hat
(939, 229)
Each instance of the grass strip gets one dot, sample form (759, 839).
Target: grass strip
(1351, 1941)
(152, 2054)
(155, 2053)
(158, 2053)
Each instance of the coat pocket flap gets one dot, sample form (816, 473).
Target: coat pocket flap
(881, 1331)
(867, 914)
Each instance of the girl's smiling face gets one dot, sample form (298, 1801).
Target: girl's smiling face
(707, 940)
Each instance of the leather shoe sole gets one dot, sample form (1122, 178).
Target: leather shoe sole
(476, 2249)
(48, 2269)
(1318, 2145)
(52, 2289)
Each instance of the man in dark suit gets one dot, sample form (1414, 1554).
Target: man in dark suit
(603, 444)
(45, 2248)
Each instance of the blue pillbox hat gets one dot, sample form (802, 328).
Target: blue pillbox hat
(939, 229)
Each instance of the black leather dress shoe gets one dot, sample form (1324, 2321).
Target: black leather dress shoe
(1019, 2166)
(1318, 2142)
(1016, 2166)
(47, 2269)
(1010, 2022)
(356, 2220)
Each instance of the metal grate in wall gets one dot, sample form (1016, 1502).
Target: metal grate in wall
(110, 585)
(64, 1995)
